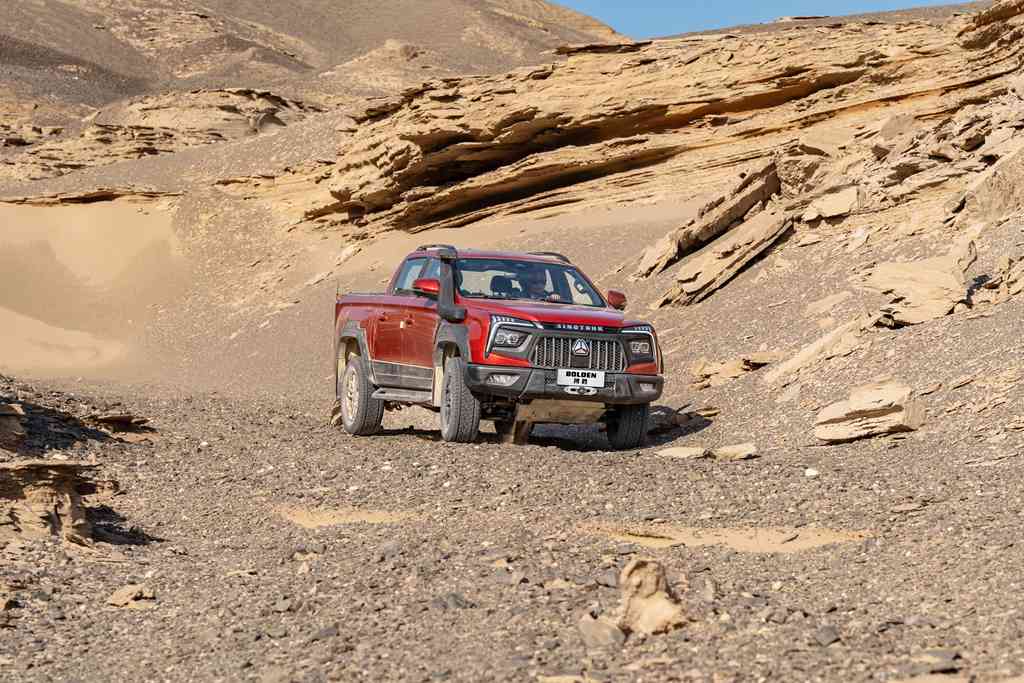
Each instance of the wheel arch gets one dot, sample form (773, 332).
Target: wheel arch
(450, 341)
(352, 340)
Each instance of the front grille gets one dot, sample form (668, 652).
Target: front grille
(556, 352)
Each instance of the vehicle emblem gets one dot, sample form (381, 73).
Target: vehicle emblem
(581, 347)
(581, 391)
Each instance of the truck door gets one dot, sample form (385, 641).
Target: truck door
(387, 347)
(420, 329)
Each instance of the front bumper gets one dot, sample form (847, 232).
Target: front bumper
(619, 389)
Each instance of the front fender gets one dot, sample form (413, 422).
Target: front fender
(352, 331)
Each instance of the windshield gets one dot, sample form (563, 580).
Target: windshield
(507, 279)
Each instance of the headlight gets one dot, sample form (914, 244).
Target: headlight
(641, 345)
(508, 333)
(509, 337)
(640, 348)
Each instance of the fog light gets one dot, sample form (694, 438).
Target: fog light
(646, 386)
(502, 380)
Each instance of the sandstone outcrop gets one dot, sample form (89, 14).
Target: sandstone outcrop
(716, 264)
(42, 498)
(923, 290)
(1007, 282)
(879, 408)
(12, 425)
(648, 604)
(460, 136)
(753, 188)
(841, 341)
(708, 374)
(158, 124)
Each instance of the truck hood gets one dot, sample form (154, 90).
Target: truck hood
(551, 313)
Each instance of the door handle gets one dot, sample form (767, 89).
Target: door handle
(382, 316)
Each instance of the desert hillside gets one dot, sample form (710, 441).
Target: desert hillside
(172, 70)
(822, 218)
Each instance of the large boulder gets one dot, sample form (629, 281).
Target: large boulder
(923, 290)
(43, 498)
(871, 410)
(648, 603)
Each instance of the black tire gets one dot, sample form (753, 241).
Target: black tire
(361, 414)
(460, 409)
(627, 426)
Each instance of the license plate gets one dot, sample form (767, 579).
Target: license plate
(581, 378)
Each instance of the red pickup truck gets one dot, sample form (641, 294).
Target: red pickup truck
(519, 339)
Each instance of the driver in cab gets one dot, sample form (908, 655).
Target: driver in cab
(533, 284)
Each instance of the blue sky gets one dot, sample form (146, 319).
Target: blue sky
(647, 18)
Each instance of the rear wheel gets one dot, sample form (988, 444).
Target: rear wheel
(460, 409)
(361, 414)
(627, 426)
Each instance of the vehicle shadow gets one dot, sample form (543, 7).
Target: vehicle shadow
(419, 433)
(667, 424)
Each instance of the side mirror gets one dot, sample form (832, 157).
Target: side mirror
(428, 287)
(616, 299)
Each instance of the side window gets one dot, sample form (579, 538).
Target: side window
(407, 275)
(580, 293)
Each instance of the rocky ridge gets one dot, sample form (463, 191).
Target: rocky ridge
(892, 117)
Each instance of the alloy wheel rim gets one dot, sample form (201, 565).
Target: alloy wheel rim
(351, 394)
(446, 407)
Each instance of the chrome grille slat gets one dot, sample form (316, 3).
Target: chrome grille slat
(556, 352)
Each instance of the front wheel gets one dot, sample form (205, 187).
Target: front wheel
(627, 426)
(460, 409)
(361, 414)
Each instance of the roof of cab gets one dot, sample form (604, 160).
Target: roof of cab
(539, 256)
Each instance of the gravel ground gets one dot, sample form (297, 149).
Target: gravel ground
(428, 551)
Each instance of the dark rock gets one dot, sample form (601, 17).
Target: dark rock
(513, 578)
(326, 633)
(826, 635)
(937, 662)
(600, 634)
(276, 631)
(388, 551)
(609, 579)
(452, 601)
(707, 590)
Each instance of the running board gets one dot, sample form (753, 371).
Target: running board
(404, 395)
